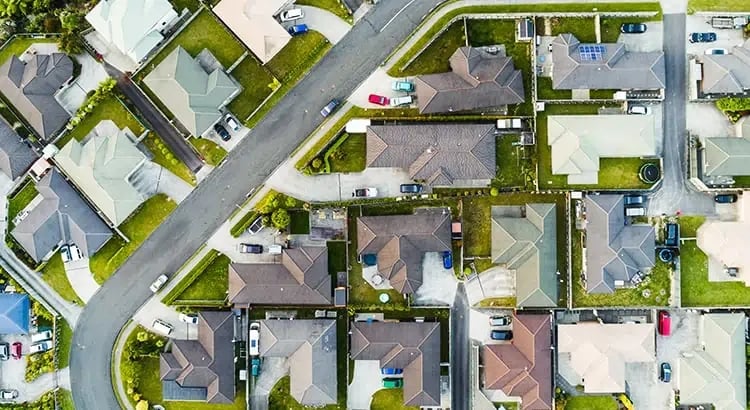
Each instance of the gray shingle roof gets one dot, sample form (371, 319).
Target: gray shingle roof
(614, 251)
(31, 88)
(727, 73)
(412, 346)
(62, 216)
(441, 154)
(617, 69)
(15, 156)
(478, 80)
(310, 345)
(726, 156)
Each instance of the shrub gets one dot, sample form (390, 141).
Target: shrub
(280, 218)
(494, 191)
(316, 163)
(142, 405)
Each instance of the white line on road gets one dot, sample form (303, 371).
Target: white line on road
(396, 15)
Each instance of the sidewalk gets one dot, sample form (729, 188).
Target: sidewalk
(44, 383)
(117, 352)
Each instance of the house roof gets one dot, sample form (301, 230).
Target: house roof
(102, 166)
(31, 88)
(15, 314)
(614, 251)
(523, 368)
(193, 93)
(725, 242)
(16, 156)
(440, 154)
(728, 156)
(133, 26)
(62, 215)
(412, 346)
(254, 23)
(613, 68)
(206, 363)
(578, 142)
(727, 73)
(400, 242)
(311, 346)
(528, 246)
(595, 354)
(301, 278)
(716, 373)
(478, 80)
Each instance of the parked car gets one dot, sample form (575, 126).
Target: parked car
(634, 200)
(231, 122)
(702, 37)
(378, 99)
(330, 107)
(365, 193)
(298, 29)
(160, 326)
(633, 28)
(41, 336)
(393, 383)
(158, 283)
(17, 350)
(405, 86)
(291, 15)
(725, 198)
(223, 133)
(251, 248)
(664, 324)
(665, 372)
(65, 253)
(410, 188)
(255, 366)
(503, 320)
(447, 260)
(399, 101)
(40, 347)
(391, 370)
(75, 253)
(673, 235)
(4, 351)
(8, 394)
(256, 226)
(639, 110)
(275, 249)
(501, 335)
(254, 339)
(191, 319)
(732, 271)
(716, 51)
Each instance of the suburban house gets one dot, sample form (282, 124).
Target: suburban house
(15, 314)
(578, 66)
(596, 355)
(16, 157)
(523, 367)
(725, 245)
(61, 216)
(412, 346)
(133, 27)
(578, 142)
(195, 90)
(479, 78)
(727, 156)
(395, 245)
(727, 73)
(440, 155)
(254, 22)
(301, 278)
(310, 347)
(203, 369)
(615, 252)
(30, 86)
(101, 166)
(715, 373)
(524, 240)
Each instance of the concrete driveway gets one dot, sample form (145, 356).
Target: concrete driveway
(236, 136)
(496, 282)
(92, 73)
(651, 40)
(438, 284)
(324, 22)
(366, 381)
(81, 279)
(271, 370)
(153, 309)
(225, 243)
(379, 82)
(152, 179)
(479, 324)
(702, 24)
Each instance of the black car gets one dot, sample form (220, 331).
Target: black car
(702, 37)
(251, 248)
(501, 335)
(330, 107)
(410, 188)
(725, 198)
(673, 235)
(633, 28)
(223, 133)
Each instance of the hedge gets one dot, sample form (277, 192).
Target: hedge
(190, 277)
(243, 223)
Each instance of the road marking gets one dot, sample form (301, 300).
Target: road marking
(396, 15)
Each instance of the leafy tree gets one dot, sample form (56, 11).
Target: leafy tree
(290, 202)
(11, 8)
(68, 43)
(280, 218)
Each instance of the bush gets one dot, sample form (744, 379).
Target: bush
(37, 364)
(280, 218)
(494, 191)
(142, 405)
(316, 163)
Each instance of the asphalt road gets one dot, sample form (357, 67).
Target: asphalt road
(459, 356)
(210, 204)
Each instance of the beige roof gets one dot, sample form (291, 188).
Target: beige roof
(254, 23)
(595, 355)
(726, 242)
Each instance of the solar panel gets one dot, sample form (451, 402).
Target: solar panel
(592, 52)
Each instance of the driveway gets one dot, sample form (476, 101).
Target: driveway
(92, 73)
(379, 82)
(225, 243)
(651, 40)
(111, 54)
(704, 120)
(702, 24)
(496, 282)
(154, 309)
(272, 369)
(81, 279)
(325, 22)
(236, 136)
(152, 179)
(479, 324)
(364, 384)
(438, 284)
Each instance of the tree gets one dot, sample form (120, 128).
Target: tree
(290, 202)
(142, 405)
(68, 43)
(280, 218)
(70, 19)
(10, 8)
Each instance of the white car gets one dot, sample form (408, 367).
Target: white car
(399, 101)
(365, 193)
(254, 339)
(639, 110)
(291, 15)
(158, 283)
(716, 51)
(40, 347)
(75, 253)
(189, 319)
(8, 394)
(232, 123)
(65, 253)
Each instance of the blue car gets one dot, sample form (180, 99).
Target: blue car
(298, 29)
(391, 370)
(447, 260)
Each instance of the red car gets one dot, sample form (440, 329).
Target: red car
(665, 323)
(16, 350)
(378, 99)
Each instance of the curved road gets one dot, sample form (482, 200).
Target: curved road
(210, 204)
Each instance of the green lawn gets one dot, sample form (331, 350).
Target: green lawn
(689, 225)
(434, 59)
(610, 26)
(509, 405)
(20, 200)
(498, 302)
(697, 290)
(192, 5)
(65, 400)
(602, 94)
(582, 27)
(591, 403)
(54, 274)
(350, 156)
(64, 343)
(515, 164)
(281, 399)
(19, 45)
(714, 5)
(211, 151)
(300, 224)
(389, 399)
(211, 285)
(544, 90)
(255, 80)
(336, 258)
(334, 6)
(137, 228)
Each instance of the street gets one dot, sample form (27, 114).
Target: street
(460, 351)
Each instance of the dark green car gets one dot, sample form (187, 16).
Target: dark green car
(393, 383)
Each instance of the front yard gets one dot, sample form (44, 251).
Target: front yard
(257, 83)
(591, 403)
(210, 286)
(713, 5)
(390, 399)
(54, 274)
(20, 200)
(209, 150)
(697, 291)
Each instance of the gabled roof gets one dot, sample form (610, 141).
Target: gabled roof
(192, 92)
(400, 242)
(412, 346)
(614, 68)
(301, 278)
(523, 368)
(133, 26)
(614, 251)
(31, 87)
(725, 241)
(728, 156)
(15, 156)
(254, 23)
(62, 215)
(595, 355)
(727, 73)
(716, 374)
(528, 246)
(203, 365)
(441, 154)
(15, 314)
(578, 142)
(310, 346)
(101, 167)
(477, 80)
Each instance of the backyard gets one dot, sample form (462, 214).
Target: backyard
(390, 399)
(697, 290)
(515, 164)
(591, 403)
(300, 222)
(19, 45)
(209, 150)
(20, 200)
(54, 274)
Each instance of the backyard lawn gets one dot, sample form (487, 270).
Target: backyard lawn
(515, 164)
(211, 151)
(697, 290)
(350, 156)
(390, 399)
(714, 5)
(255, 80)
(54, 274)
(544, 90)
(434, 59)
(192, 5)
(591, 403)
(19, 45)
(300, 222)
(582, 27)
(281, 399)
(211, 285)
(334, 6)
(20, 200)
(137, 228)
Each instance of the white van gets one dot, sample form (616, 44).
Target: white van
(162, 327)
(399, 101)
(42, 336)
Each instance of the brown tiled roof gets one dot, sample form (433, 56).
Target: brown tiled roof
(412, 346)
(301, 278)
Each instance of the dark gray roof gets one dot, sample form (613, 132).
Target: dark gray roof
(440, 154)
(412, 346)
(614, 251)
(477, 80)
(616, 69)
(15, 156)
(203, 365)
(310, 345)
(727, 73)
(31, 88)
(61, 216)
(400, 242)
(301, 278)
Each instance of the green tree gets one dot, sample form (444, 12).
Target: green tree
(10, 8)
(69, 43)
(280, 218)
